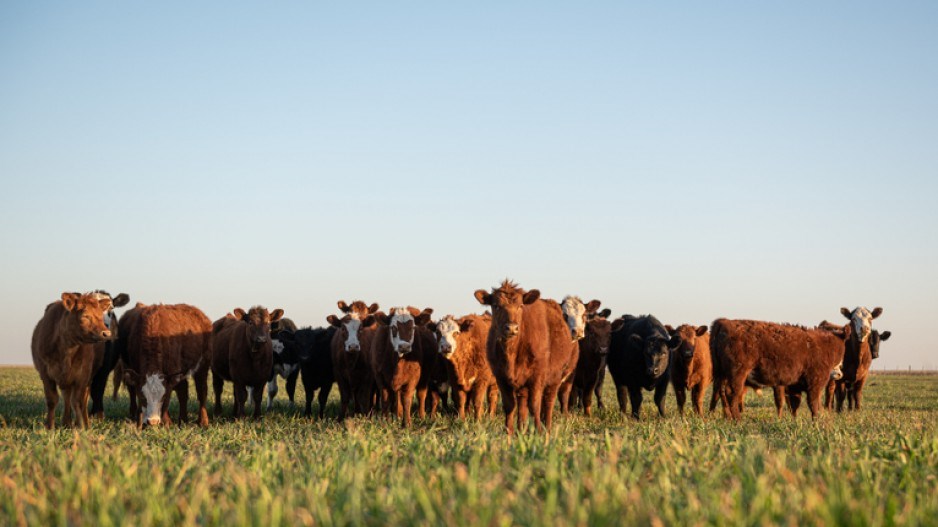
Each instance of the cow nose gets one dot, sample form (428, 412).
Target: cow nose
(445, 349)
(106, 334)
(603, 351)
(511, 329)
(260, 340)
(153, 421)
(352, 347)
(404, 348)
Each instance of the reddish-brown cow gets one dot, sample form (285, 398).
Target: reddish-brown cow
(462, 343)
(773, 355)
(167, 345)
(530, 351)
(350, 347)
(244, 355)
(67, 348)
(402, 354)
(692, 368)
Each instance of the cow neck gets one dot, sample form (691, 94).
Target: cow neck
(854, 354)
(69, 346)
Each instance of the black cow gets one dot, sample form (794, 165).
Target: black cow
(286, 362)
(111, 353)
(640, 358)
(313, 348)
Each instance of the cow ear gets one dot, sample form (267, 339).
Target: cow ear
(465, 325)
(239, 313)
(276, 315)
(701, 330)
(368, 321)
(845, 312)
(431, 326)
(333, 320)
(381, 317)
(121, 300)
(617, 324)
(483, 297)
(531, 296)
(877, 312)
(423, 317)
(373, 308)
(343, 307)
(605, 313)
(636, 340)
(593, 306)
(414, 312)
(885, 335)
(70, 300)
(675, 342)
(285, 335)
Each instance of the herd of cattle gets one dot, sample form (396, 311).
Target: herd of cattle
(528, 350)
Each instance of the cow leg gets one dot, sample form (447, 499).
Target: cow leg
(493, 400)
(733, 393)
(635, 398)
(345, 395)
(118, 378)
(778, 393)
(680, 395)
(829, 395)
(240, 395)
(857, 393)
(696, 395)
(586, 398)
(551, 393)
(165, 421)
(564, 397)
(598, 390)
(421, 402)
(841, 392)
(98, 387)
(218, 384)
(83, 407)
(510, 405)
(291, 384)
(794, 402)
(66, 407)
(660, 392)
(258, 395)
(407, 401)
(201, 393)
(182, 395)
(814, 399)
(622, 395)
(323, 398)
(364, 397)
(523, 408)
(52, 400)
(272, 390)
(461, 403)
(477, 397)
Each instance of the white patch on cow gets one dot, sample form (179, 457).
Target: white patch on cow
(400, 315)
(862, 321)
(469, 381)
(110, 319)
(278, 346)
(250, 393)
(448, 329)
(153, 392)
(575, 315)
(837, 372)
(271, 392)
(352, 325)
(285, 370)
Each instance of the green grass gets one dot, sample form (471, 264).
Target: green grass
(876, 467)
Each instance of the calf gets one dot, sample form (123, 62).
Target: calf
(168, 344)
(594, 348)
(126, 326)
(773, 355)
(530, 351)
(858, 357)
(67, 348)
(349, 349)
(244, 355)
(640, 358)
(111, 354)
(462, 343)
(401, 356)
(692, 368)
(317, 368)
(286, 361)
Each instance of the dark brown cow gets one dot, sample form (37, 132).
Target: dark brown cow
(692, 368)
(594, 349)
(773, 355)
(350, 347)
(462, 343)
(858, 357)
(67, 348)
(244, 355)
(530, 351)
(167, 345)
(402, 354)
(126, 327)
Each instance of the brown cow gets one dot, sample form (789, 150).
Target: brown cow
(773, 355)
(244, 355)
(350, 347)
(594, 348)
(167, 345)
(692, 368)
(462, 343)
(530, 350)
(402, 355)
(67, 348)
(858, 357)
(126, 327)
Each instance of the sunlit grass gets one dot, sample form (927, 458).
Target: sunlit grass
(877, 467)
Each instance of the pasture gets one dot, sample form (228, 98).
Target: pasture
(875, 467)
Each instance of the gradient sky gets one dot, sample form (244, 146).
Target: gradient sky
(693, 161)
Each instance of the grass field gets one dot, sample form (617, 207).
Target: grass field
(876, 467)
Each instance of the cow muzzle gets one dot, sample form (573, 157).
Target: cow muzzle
(260, 340)
(352, 348)
(604, 351)
(153, 421)
(510, 330)
(403, 349)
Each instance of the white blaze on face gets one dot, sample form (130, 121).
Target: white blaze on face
(110, 319)
(399, 318)
(278, 346)
(862, 321)
(352, 325)
(153, 392)
(448, 329)
(575, 314)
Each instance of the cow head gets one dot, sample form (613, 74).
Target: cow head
(110, 319)
(85, 315)
(402, 326)
(153, 390)
(447, 331)
(656, 350)
(875, 339)
(575, 314)
(598, 332)
(258, 321)
(842, 332)
(507, 307)
(688, 335)
(861, 320)
(355, 317)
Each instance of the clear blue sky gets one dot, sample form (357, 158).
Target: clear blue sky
(690, 160)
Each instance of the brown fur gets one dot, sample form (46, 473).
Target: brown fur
(67, 348)
(694, 373)
(530, 351)
(244, 355)
(776, 355)
(353, 373)
(594, 348)
(468, 370)
(126, 326)
(170, 341)
(399, 377)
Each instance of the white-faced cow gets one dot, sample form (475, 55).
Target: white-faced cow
(462, 344)
(350, 347)
(402, 355)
